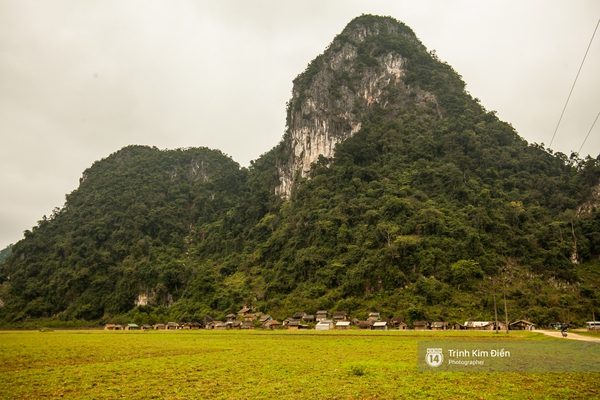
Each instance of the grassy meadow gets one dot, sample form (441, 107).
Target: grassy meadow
(98, 364)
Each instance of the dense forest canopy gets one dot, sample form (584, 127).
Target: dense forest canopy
(431, 208)
(5, 253)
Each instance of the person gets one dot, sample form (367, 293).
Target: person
(563, 330)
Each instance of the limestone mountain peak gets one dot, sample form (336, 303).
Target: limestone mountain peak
(363, 71)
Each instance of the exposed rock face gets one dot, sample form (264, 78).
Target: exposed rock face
(141, 300)
(591, 204)
(350, 79)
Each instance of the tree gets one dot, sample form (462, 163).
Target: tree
(464, 271)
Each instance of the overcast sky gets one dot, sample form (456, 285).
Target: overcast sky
(81, 79)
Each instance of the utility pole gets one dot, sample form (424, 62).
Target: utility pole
(505, 309)
(495, 308)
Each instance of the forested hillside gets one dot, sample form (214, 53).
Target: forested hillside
(5, 253)
(428, 207)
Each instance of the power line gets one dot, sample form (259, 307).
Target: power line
(579, 152)
(572, 87)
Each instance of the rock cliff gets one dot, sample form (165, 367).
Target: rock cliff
(363, 69)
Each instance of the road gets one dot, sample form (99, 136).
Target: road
(570, 335)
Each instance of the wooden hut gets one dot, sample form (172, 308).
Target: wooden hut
(131, 327)
(365, 324)
(395, 321)
(234, 324)
(439, 326)
(272, 324)
(191, 325)
(322, 315)
(213, 325)
(247, 325)
(340, 316)
(479, 325)
(171, 326)
(230, 317)
(458, 326)
(245, 310)
(250, 317)
(109, 327)
(298, 315)
(308, 318)
(402, 326)
(293, 325)
(522, 325)
(342, 325)
(160, 327)
(499, 326)
(374, 316)
(326, 325)
(421, 325)
(379, 326)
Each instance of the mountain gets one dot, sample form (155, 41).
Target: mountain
(371, 66)
(392, 190)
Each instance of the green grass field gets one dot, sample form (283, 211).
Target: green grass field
(257, 365)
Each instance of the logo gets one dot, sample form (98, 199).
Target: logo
(434, 357)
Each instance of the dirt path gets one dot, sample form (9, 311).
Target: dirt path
(570, 335)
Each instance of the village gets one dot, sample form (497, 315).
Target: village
(248, 319)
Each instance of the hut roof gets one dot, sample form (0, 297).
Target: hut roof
(365, 324)
(522, 322)
(244, 310)
(324, 325)
(476, 324)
